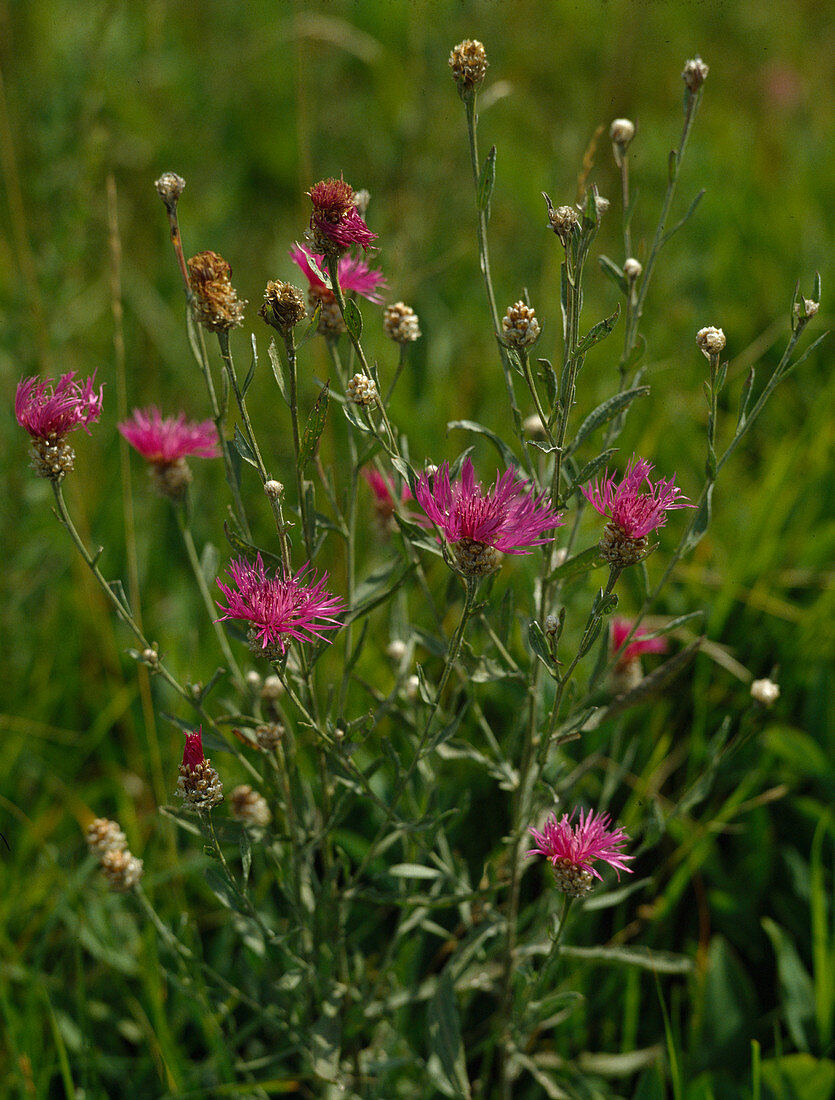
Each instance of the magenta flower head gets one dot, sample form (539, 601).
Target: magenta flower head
(279, 607)
(636, 507)
(639, 644)
(335, 223)
(165, 442)
(199, 784)
(574, 849)
(355, 276)
(507, 518)
(49, 411)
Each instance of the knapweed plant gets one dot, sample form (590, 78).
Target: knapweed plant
(413, 652)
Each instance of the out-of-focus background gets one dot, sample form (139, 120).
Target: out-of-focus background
(252, 103)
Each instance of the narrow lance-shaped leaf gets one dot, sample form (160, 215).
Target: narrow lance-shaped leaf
(605, 412)
(243, 448)
(250, 374)
(690, 212)
(353, 319)
(278, 372)
(314, 427)
(598, 332)
(615, 273)
(508, 456)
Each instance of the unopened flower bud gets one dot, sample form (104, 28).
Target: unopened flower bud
(396, 649)
(150, 657)
(711, 340)
(104, 835)
(248, 806)
(170, 186)
(551, 625)
(273, 489)
(361, 200)
(253, 680)
(562, 219)
(695, 73)
(121, 869)
(520, 327)
(199, 784)
(532, 426)
(283, 306)
(808, 308)
(632, 269)
(765, 692)
(362, 391)
(468, 61)
(412, 688)
(273, 688)
(622, 131)
(400, 323)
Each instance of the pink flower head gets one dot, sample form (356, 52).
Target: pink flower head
(335, 215)
(638, 645)
(573, 849)
(634, 508)
(278, 608)
(383, 491)
(49, 410)
(354, 275)
(507, 517)
(162, 441)
(193, 751)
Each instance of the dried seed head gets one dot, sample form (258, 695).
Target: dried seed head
(249, 806)
(808, 308)
(632, 269)
(269, 735)
(362, 390)
(400, 323)
(562, 219)
(620, 549)
(283, 306)
(622, 131)
(765, 692)
(468, 61)
(695, 73)
(170, 186)
(711, 340)
(273, 489)
(121, 869)
(104, 835)
(216, 303)
(520, 327)
(476, 559)
(571, 879)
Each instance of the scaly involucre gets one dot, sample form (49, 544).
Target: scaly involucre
(582, 844)
(279, 608)
(52, 410)
(163, 440)
(508, 517)
(636, 506)
(354, 274)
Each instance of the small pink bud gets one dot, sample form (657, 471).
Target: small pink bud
(193, 751)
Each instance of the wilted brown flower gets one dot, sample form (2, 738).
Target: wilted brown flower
(216, 303)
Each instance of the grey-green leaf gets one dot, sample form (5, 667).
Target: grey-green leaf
(314, 427)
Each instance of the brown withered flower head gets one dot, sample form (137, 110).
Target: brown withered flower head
(283, 306)
(216, 303)
(335, 223)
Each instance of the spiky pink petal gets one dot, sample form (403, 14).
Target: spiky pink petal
(163, 440)
(193, 751)
(508, 517)
(635, 505)
(279, 607)
(582, 844)
(355, 275)
(47, 409)
(639, 644)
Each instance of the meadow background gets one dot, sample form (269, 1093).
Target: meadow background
(252, 103)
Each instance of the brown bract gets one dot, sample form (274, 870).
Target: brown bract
(216, 304)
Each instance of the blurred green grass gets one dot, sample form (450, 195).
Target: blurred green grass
(251, 104)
